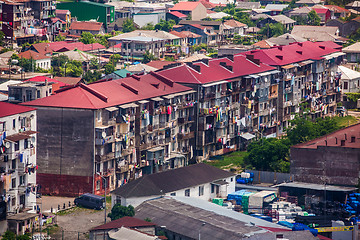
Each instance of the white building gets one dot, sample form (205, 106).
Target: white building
(17, 160)
(350, 80)
(200, 181)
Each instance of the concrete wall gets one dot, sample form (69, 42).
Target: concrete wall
(66, 150)
(333, 165)
(143, 19)
(198, 13)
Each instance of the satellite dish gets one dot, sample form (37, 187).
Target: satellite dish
(7, 145)
(32, 139)
(103, 134)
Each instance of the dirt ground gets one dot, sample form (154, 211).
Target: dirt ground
(74, 223)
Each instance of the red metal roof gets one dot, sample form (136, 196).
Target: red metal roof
(185, 6)
(86, 26)
(29, 54)
(334, 139)
(321, 10)
(111, 93)
(178, 14)
(117, 45)
(295, 52)
(213, 71)
(208, 5)
(8, 109)
(43, 79)
(129, 222)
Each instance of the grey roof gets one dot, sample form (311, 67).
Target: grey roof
(248, 5)
(319, 187)
(186, 220)
(285, 39)
(204, 23)
(273, 7)
(354, 48)
(293, 235)
(146, 33)
(172, 180)
(283, 19)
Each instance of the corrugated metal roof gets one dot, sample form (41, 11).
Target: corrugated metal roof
(319, 187)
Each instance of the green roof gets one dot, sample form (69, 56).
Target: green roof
(122, 73)
(97, 4)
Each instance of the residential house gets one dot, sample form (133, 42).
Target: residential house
(310, 3)
(118, 74)
(352, 52)
(338, 12)
(40, 60)
(194, 10)
(345, 28)
(136, 43)
(189, 38)
(18, 166)
(30, 90)
(56, 26)
(140, 68)
(300, 12)
(323, 13)
(176, 16)
(309, 77)
(102, 231)
(191, 218)
(24, 21)
(64, 15)
(232, 49)
(86, 11)
(248, 5)
(353, 6)
(83, 57)
(117, 25)
(143, 18)
(216, 15)
(287, 22)
(281, 40)
(318, 33)
(126, 128)
(158, 64)
(196, 181)
(275, 9)
(331, 159)
(350, 79)
(237, 28)
(77, 28)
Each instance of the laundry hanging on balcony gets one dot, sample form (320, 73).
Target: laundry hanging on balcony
(36, 31)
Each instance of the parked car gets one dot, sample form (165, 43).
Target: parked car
(89, 200)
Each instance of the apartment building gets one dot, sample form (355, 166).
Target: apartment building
(115, 130)
(18, 143)
(308, 75)
(24, 21)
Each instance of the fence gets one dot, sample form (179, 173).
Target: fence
(271, 177)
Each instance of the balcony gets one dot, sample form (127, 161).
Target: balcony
(105, 157)
(144, 146)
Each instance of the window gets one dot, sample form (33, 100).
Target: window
(17, 146)
(13, 183)
(38, 94)
(99, 115)
(13, 164)
(201, 190)
(345, 85)
(173, 194)
(212, 188)
(14, 123)
(187, 193)
(231, 179)
(2, 126)
(26, 143)
(22, 180)
(98, 185)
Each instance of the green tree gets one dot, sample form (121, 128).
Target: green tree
(269, 154)
(148, 26)
(128, 25)
(119, 211)
(59, 38)
(313, 18)
(91, 76)
(165, 25)
(109, 68)
(115, 58)
(87, 38)
(2, 38)
(8, 235)
(148, 57)
(94, 63)
(272, 30)
(73, 69)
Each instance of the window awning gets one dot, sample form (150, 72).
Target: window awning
(334, 55)
(111, 109)
(247, 136)
(288, 66)
(129, 105)
(143, 101)
(303, 63)
(156, 149)
(214, 83)
(252, 76)
(20, 136)
(158, 99)
(220, 182)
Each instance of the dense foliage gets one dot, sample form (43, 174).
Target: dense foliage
(119, 211)
(62, 65)
(128, 25)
